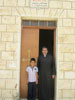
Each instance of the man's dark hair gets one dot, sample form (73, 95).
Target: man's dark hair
(44, 47)
(32, 59)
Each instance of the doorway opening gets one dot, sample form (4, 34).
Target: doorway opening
(46, 38)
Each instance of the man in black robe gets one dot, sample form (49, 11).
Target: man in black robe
(47, 72)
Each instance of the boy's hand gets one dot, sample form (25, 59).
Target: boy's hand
(37, 82)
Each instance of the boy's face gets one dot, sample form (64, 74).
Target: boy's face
(32, 63)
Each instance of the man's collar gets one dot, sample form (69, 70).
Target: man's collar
(44, 55)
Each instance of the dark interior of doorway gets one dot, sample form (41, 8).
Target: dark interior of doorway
(46, 38)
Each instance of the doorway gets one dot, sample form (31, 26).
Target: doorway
(46, 38)
(32, 40)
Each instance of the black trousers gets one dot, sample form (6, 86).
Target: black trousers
(31, 90)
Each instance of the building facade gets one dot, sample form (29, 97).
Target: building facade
(12, 12)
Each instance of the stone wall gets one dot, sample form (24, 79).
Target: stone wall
(11, 14)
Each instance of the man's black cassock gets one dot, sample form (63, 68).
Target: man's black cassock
(46, 68)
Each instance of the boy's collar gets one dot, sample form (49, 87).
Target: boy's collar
(32, 67)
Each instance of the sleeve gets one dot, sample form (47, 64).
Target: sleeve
(27, 69)
(36, 69)
(53, 67)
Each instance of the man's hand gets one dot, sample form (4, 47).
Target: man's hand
(53, 76)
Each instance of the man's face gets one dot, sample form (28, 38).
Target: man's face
(44, 51)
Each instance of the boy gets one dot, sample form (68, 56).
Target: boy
(32, 79)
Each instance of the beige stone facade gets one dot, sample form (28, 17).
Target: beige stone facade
(11, 14)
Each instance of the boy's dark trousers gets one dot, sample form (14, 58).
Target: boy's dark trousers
(31, 90)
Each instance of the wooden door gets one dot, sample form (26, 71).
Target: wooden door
(29, 48)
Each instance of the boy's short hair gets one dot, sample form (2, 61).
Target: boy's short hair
(32, 59)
